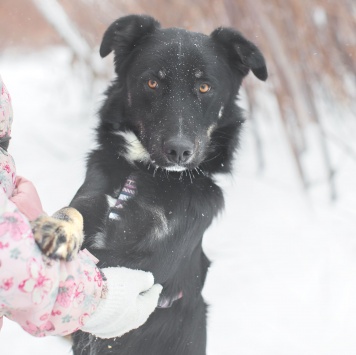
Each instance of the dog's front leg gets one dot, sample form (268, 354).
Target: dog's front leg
(60, 236)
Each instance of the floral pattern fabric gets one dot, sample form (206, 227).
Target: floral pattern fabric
(7, 164)
(46, 297)
(6, 115)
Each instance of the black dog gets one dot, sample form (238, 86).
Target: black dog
(168, 124)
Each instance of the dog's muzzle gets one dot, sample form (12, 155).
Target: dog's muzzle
(178, 150)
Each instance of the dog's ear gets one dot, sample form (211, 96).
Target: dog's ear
(247, 54)
(124, 33)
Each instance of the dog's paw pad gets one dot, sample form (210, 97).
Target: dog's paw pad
(59, 238)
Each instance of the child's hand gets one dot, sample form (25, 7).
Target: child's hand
(26, 199)
(131, 298)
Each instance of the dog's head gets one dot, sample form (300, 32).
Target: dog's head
(174, 100)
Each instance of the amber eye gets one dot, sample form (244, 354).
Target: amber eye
(204, 88)
(152, 84)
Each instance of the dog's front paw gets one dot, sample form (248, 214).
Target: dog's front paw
(59, 236)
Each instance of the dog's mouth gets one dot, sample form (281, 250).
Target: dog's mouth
(172, 163)
(176, 168)
(170, 168)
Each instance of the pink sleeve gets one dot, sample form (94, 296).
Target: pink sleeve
(45, 297)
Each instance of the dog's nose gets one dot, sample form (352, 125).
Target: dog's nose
(178, 150)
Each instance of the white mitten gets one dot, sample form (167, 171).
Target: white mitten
(130, 300)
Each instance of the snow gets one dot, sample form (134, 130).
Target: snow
(284, 261)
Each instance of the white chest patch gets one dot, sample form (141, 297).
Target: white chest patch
(111, 201)
(99, 241)
(135, 150)
(160, 227)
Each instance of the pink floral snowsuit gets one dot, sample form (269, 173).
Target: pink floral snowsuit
(45, 297)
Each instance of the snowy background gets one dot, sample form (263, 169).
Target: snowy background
(283, 279)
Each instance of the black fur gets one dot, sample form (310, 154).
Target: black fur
(179, 127)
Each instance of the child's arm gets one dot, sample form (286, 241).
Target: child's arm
(51, 297)
(44, 296)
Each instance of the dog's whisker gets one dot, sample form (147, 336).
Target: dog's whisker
(214, 157)
(154, 172)
(190, 176)
(218, 146)
(199, 169)
(192, 172)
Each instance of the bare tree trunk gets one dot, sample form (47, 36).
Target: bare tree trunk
(251, 102)
(56, 16)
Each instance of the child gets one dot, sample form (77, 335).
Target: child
(51, 297)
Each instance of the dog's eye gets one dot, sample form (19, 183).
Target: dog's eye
(152, 84)
(203, 88)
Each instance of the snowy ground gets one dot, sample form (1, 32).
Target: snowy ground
(283, 279)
